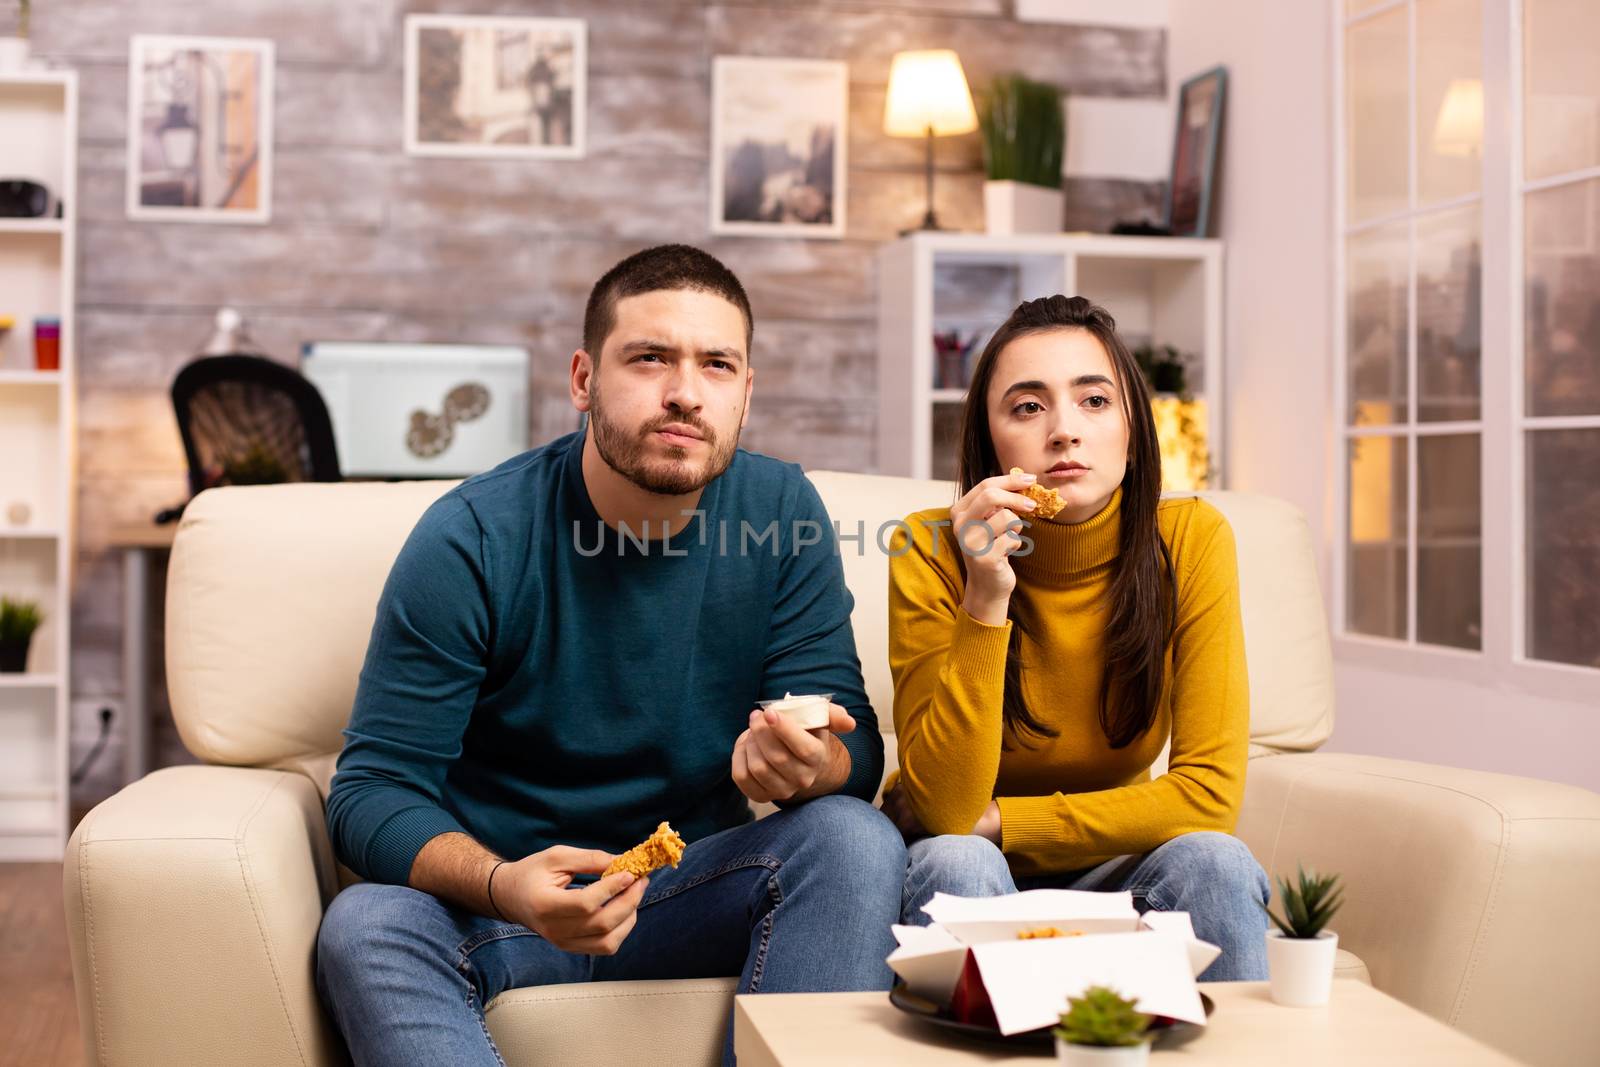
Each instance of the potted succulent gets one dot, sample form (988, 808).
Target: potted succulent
(1024, 136)
(1300, 952)
(1101, 1028)
(18, 620)
(14, 50)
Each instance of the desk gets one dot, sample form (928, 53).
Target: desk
(1360, 1025)
(139, 543)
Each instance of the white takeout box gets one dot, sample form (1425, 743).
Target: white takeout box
(1153, 958)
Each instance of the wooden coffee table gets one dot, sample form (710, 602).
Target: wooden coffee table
(1359, 1026)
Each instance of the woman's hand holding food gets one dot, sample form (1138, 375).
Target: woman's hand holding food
(988, 528)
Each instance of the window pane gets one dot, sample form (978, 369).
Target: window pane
(1376, 107)
(1377, 333)
(1449, 542)
(1562, 86)
(1562, 304)
(1449, 99)
(1376, 591)
(1449, 326)
(1563, 544)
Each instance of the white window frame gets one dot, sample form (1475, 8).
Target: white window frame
(1502, 662)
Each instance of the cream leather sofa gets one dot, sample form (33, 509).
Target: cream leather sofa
(193, 896)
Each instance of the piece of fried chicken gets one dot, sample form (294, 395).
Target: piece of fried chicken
(1049, 501)
(664, 848)
(1047, 931)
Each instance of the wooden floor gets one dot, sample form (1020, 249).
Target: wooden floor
(38, 1013)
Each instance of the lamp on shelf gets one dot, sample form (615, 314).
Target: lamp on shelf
(928, 97)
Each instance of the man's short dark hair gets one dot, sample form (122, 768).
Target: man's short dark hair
(661, 267)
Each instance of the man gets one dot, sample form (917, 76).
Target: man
(568, 651)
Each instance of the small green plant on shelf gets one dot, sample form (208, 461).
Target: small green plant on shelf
(1101, 1016)
(1308, 907)
(18, 620)
(1024, 131)
(1165, 368)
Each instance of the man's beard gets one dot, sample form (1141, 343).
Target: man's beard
(625, 452)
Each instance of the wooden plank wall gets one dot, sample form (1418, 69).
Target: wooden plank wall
(368, 243)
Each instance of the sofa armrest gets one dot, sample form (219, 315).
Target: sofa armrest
(193, 899)
(1469, 895)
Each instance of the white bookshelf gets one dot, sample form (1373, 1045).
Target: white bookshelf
(39, 128)
(1161, 290)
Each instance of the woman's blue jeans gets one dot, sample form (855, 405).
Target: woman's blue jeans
(1211, 876)
(800, 901)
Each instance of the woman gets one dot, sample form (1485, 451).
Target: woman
(1040, 665)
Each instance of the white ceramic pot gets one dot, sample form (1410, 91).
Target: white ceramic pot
(13, 55)
(1070, 1055)
(1017, 207)
(1300, 970)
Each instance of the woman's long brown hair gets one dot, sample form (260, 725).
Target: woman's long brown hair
(1142, 589)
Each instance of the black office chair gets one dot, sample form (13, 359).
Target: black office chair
(247, 420)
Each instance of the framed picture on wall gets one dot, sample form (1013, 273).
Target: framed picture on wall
(486, 85)
(199, 129)
(778, 146)
(1194, 154)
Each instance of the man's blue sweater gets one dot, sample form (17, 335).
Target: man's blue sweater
(535, 677)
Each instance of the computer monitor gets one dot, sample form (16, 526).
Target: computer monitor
(403, 410)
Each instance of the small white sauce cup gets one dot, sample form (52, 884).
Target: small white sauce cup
(807, 711)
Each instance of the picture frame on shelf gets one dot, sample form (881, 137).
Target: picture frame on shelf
(200, 129)
(496, 86)
(779, 135)
(1198, 134)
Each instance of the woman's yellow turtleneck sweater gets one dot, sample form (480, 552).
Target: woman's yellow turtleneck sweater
(1069, 801)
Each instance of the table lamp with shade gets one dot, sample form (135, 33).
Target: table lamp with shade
(928, 97)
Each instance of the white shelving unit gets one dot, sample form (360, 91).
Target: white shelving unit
(39, 129)
(1161, 290)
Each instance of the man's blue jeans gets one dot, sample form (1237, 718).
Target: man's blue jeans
(800, 901)
(1211, 876)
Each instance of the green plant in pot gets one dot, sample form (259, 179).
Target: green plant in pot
(1164, 368)
(1102, 1028)
(1024, 130)
(1301, 950)
(18, 620)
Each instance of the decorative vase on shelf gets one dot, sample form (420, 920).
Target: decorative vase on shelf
(1017, 207)
(13, 55)
(18, 620)
(14, 656)
(14, 49)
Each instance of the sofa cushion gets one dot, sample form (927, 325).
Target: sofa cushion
(678, 1023)
(270, 600)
